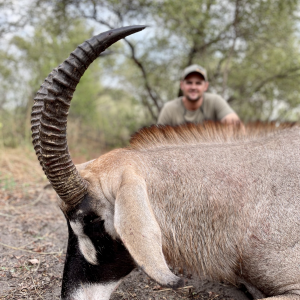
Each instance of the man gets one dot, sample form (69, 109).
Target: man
(196, 105)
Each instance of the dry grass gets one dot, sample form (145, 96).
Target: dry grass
(20, 173)
(20, 164)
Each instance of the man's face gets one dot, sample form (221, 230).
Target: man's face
(193, 86)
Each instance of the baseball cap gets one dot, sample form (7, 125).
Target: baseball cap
(194, 69)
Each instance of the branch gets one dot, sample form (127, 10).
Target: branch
(198, 49)
(152, 94)
(141, 67)
(226, 69)
(146, 103)
(277, 76)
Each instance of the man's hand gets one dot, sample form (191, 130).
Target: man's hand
(234, 123)
(231, 119)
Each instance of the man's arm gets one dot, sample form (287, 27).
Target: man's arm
(234, 121)
(225, 114)
(164, 117)
(231, 118)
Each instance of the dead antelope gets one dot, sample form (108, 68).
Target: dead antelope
(226, 206)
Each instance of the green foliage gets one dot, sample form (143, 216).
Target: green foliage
(6, 77)
(48, 48)
(37, 55)
(12, 129)
(7, 183)
(115, 109)
(249, 47)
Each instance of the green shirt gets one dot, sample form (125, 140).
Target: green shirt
(214, 107)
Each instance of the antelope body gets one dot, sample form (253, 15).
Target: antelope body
(222, 204)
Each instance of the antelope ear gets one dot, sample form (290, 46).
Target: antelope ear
(138, 229)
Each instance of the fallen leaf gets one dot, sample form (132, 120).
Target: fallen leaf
(34, 261)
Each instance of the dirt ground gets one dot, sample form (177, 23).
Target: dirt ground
(33, 241)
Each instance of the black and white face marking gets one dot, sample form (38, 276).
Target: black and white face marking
(95, 291)
(95, 262)
(85, 244)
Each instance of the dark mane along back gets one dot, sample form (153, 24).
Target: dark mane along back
(157, 136)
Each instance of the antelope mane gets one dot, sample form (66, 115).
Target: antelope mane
(158, 136)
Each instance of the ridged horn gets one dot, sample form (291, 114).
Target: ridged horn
(50, 111)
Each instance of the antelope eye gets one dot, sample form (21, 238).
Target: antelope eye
(96, 220)
(91, 218)
(94, 229)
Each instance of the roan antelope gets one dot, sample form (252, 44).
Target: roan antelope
(226, 205)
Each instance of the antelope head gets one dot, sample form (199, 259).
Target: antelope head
(100, 252)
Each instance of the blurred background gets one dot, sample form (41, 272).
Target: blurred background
(249, 47)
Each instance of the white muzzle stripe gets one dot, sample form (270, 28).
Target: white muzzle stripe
(95, 291)
(85, 244)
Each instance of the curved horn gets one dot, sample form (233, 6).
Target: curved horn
(50, 111)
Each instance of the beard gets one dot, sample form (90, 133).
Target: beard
(193, 99)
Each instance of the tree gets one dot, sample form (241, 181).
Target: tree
(34, 58)
(221, 35)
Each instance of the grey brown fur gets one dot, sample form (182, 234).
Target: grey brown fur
(229, 208)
